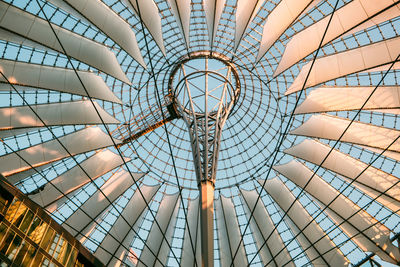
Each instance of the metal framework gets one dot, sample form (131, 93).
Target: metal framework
(207, 132)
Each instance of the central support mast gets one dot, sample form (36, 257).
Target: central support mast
(205, 93)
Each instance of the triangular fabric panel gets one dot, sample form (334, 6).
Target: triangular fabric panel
(193, 217)
(273, 252)
(331, 127)
(114, 187)
(372, 180)
(106, 20)
(151, 19)
(326, 99)
(283, 15)
(78, 142)
(35, 76)
(166, 218)
(74, 178)
(344, 63)
(38, 30)
(344, 19)
(133, 212)
(372, 230)
(65, 113)
(229, 233)
(246, 10)
(213, 10)
(181, 10)
(319, 243)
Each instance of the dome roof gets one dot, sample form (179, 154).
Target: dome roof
(95, 98)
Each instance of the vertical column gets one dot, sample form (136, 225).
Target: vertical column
(207, 223)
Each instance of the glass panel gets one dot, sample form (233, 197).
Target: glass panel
(13, 249)
(72, 258)
(29, 257)
(53, 244)
(21, 254)
(9, 238)
(48, 236)
(12, 210)
(3, 230)
(60, 248)
(19, 216)
(65, 253)
(27, 221)
(45, 262)
(37, 230)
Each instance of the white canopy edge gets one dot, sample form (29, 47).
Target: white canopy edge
(105, 19)
(280, 18)
(150, 17)
(193, 218)
(181, 10)
(326, 99)
(64, 113)
(229, 233)
(74, 178)
(166, 218)
(36, 29)
(347, 62)
(313, 232)
(213, 10)
(372, 181)
(261, 226)
(23, 75)
(115, 186)
(377, 233)
(354, 14)
(88, 139)
(246, 10)
(331, 127)
(133, 211)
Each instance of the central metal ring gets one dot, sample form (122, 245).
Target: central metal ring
(204, 82)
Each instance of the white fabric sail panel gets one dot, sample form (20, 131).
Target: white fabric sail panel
(229, 233)
(65, 113)
(213, 10)
(362, 240)
(121, 228)
(115, 186)
(298, 219)
(151, 19)
(74, 178)
(281, 17)
(193, 214)
(36, 76)
(344, 63)
(169, 233)
(155, 238)
(38, 30)
(106, 20)
(344, 19)
(375, 179)
(326, 99)
(246, 10)
(262, 225)
(331, 127)
(181, 10)
(19, 176)
(375, 231)
(78, 142)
